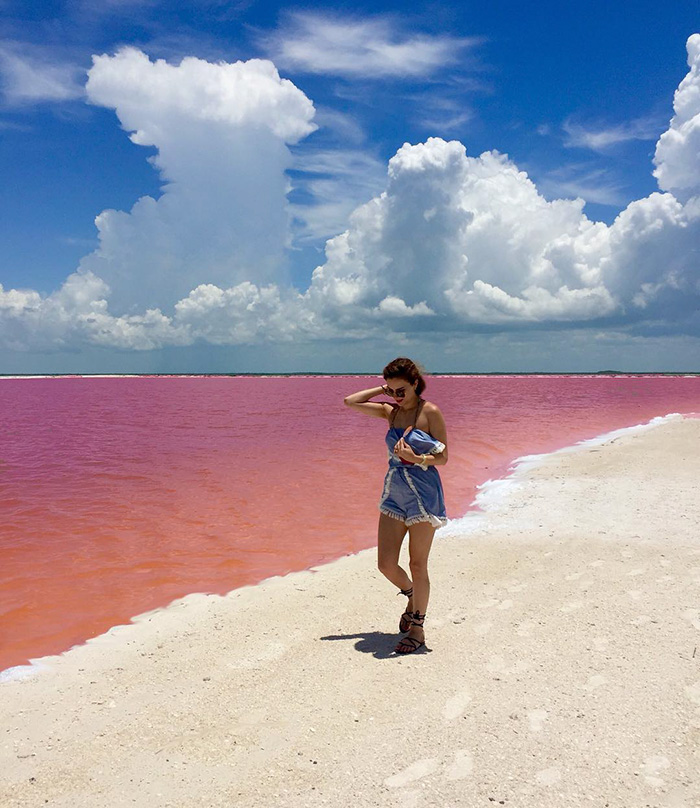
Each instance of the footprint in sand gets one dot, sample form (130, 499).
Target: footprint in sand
(693, 692)
(524, 628)
(651, 768)
(462, 765)
(455, 706)
(571, 607)
(496, 665)
(253, 717)
(483, 628)
(417, 770)
(455, 616)
(273, 651)
(595, 682)
(693, 615)
(548, 777)
(537, 719)
(499, 604)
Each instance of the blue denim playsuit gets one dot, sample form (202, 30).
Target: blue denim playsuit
(412, 494)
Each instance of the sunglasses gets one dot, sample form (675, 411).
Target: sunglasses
(398, 393)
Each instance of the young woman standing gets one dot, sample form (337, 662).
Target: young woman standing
(412, 498)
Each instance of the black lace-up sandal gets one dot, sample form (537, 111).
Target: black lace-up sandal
(405, 621)
(410, 644)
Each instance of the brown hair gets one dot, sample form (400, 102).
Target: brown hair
(405, 368)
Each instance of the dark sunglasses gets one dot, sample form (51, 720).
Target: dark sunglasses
(399, 393)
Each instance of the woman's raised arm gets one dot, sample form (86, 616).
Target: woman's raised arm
(361, 401)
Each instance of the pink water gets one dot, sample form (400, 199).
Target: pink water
(119, 495)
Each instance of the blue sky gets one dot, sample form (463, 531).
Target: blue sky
(576, 99)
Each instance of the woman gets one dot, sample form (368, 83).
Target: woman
(412, 497)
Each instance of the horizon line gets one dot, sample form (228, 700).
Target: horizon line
(370, 373)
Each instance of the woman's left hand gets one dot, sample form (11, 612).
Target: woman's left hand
(404, 451)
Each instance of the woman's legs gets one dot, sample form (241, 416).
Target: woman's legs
(419, 543)
(390, 535)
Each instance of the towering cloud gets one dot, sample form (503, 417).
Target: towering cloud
(220, 131)
(677, 157)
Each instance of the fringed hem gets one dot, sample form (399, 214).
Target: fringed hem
(435, 521)
(387, 512)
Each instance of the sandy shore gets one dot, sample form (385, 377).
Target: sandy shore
(563, 667)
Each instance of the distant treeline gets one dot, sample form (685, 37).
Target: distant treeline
(374, 373)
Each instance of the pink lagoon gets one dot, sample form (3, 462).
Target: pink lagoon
(121, 494)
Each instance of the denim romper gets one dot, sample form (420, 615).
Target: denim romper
(412, 494)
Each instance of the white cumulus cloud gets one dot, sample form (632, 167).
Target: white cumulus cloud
(221, 133)
(474, 240)
(471, 239)
(77, 314)
(453, 243)
(677, 156)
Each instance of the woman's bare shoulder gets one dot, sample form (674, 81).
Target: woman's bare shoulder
(436, 420)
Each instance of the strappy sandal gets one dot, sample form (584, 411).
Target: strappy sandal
(411, 644)
(405, 619)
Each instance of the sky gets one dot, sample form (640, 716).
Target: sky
(225, 186)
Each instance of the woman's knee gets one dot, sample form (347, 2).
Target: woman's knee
(419, 567)
(387, 566)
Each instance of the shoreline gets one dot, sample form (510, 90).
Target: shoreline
(304, 375)
(561, 667)
(492, 495)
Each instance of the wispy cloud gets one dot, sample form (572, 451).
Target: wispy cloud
(31, 75)
(333, 172)
(368, 48)
(582, 180)
(80, 8)
(335, 182)
(14, 126)
(600, 139)
(443, 114)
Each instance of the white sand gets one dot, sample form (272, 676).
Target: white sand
(563, 670)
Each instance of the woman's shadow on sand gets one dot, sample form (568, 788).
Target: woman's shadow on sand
(380, 644)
